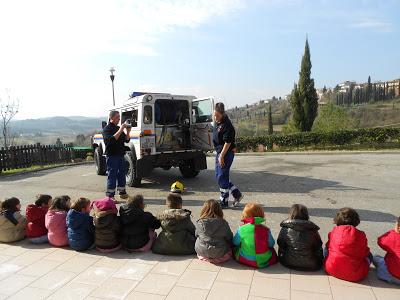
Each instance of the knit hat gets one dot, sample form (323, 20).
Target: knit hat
(104, 204)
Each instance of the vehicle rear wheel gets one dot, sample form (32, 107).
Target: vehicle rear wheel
(131, 171)
(187, 170)
(100, 161)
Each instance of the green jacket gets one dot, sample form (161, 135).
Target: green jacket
(254, 244)
(177, 236)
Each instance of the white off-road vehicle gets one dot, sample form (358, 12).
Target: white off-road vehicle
(167, 131)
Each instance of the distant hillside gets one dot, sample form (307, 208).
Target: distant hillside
(48, 130)
(57, 125)
(252, 119)
(376, 114)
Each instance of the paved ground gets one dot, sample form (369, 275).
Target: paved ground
(323, 182)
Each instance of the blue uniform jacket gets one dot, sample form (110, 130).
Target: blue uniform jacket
(80, 230)
(224, 132)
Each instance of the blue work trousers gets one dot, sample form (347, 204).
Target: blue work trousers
(222, 175)
(116, 172)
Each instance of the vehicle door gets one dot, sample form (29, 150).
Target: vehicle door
(202, 123)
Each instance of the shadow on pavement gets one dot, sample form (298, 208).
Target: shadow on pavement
(188, 202)
(365, 214)
(247, 181)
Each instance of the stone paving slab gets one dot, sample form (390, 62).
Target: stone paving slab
(323, 182)
(43, 272)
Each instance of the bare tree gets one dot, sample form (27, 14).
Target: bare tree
(8, 109)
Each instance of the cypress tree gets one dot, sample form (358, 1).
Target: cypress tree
(369, 88)
(270, 125)
(305, 103)
(297, 109)
(384, 92)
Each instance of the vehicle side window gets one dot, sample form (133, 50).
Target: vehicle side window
(131, 115)
(202, 111)
(148, 114)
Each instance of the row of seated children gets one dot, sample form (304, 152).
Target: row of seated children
(346, 255)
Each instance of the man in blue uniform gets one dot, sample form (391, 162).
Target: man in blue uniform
(224, 143)
(115, 139)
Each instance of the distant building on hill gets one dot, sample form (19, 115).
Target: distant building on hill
(345, 86)
(390, 85)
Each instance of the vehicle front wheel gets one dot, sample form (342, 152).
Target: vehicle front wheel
(100, 162)
(131, 171)
(188, 171)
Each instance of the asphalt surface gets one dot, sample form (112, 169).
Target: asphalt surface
(369, 183)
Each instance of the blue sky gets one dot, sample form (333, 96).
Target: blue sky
(57, 55)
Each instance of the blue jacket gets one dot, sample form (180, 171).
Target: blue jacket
(80, 230)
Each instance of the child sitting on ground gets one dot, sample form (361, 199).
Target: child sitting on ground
(138, 226)
(107, 225)
(36, 230)
(300, 245)
(177, 235)
(55, 221)
(388, 268)
(254, 244)
(214, 236)
(80, 225)
(12, 223)
(347, 254)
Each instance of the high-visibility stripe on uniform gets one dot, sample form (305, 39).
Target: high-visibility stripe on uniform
(233, 187)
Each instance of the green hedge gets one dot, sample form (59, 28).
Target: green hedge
(82, 152)
(307, 139)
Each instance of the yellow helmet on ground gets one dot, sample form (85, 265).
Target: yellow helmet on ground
(177, 187)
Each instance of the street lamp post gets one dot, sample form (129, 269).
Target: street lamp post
(112, 70)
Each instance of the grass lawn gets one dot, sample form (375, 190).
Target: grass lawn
(32, 168)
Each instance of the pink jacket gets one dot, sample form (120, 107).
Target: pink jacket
(55, 222)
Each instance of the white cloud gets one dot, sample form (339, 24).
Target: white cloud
(102, 25)
(373, 24)
(47, 46)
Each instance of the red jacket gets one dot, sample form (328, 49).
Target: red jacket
(347, 253)
(35, 221)
(390, 242)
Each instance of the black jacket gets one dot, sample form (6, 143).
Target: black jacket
(107, 229)
(135, 226)
(214, 237)
(300, 246)
(224, 132)
(113, 146)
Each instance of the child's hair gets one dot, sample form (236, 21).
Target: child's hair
(347, 216)
(10, 204)
(60, 203)
(211, 209)
(174, 200)
(80, 203)
(136, 201)
(299, 212)
(42, 199)
(252, 210)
